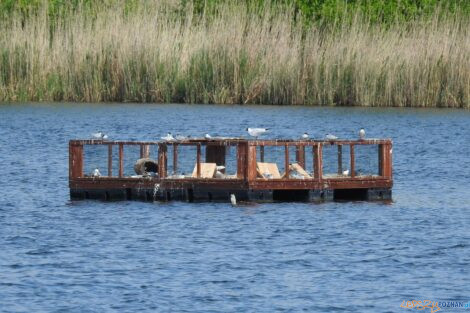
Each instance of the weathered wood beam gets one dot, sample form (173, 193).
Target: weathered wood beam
(110, 160)
(121, 160)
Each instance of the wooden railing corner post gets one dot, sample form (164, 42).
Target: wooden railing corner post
(121, 160)
(286, 161)
(353, 161)
(198, 161)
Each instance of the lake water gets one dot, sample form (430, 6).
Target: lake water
(63, 256)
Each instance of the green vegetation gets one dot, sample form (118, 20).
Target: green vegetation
(308, 52)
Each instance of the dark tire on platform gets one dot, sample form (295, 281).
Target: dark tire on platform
(145, 166)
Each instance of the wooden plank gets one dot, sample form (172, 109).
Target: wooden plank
(268, 170)
(251, 163)
(340, 160)
(207, 170)
(318, 161)
(128, 182)
(283, 184)
(300, 155)
(175, 159)
(110, 160)
(332, 183)
(299, 169)
(198, 160)
(121, 160)
(353, 161)
(242, 149)
(286, 161)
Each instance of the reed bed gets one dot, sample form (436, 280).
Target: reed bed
(152, 54)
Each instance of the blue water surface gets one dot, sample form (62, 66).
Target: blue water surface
(89, 256)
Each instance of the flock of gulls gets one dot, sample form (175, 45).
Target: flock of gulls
(253, 132)
(256, 132)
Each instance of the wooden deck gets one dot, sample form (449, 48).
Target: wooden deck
(246, 184)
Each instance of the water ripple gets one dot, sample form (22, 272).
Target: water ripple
(59, 255)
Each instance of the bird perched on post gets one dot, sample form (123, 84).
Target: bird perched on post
(255, 132)
(96, 173)
(180, 137)
(99, 135)
(362, 134)
(168, 137)
(331, 137)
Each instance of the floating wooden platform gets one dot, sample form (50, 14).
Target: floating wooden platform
(252, 178)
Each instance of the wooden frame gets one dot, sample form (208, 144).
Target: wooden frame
(246, 163)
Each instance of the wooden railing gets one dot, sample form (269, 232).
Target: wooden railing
(246, 155)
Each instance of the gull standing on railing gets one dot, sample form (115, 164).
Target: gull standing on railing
(255, 132)
(99, 135)
(168, 137)
(362, 134)
(331, 137)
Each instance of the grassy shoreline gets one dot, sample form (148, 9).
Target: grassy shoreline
(234, 56)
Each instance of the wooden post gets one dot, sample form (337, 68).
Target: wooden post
(162, 159)
(261, 153)
(121, 160)
(386, 160)
(353, 161)
(110, 160)
(300, 155)
(75, 161)
(241, 161)
(286, 161)
(317, 161)
(175, 158)
(198, 160)
(390, 160)
(340, 159)
(144, 151)
(251, 163)
(381, 159)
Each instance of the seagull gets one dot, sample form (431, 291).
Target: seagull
(207, 136)
(99, 135)
(220, 167)
(219, 174)
(180, 137)
(168, 137)
(346, 172)
(96, 173)
(331, 137)
(233, 199)
(362, 134)
(255, 132)
(305, 136)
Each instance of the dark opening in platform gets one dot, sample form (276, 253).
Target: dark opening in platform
(350, 194)
(291, 195)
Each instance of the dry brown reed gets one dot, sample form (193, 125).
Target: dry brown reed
(153, 54)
